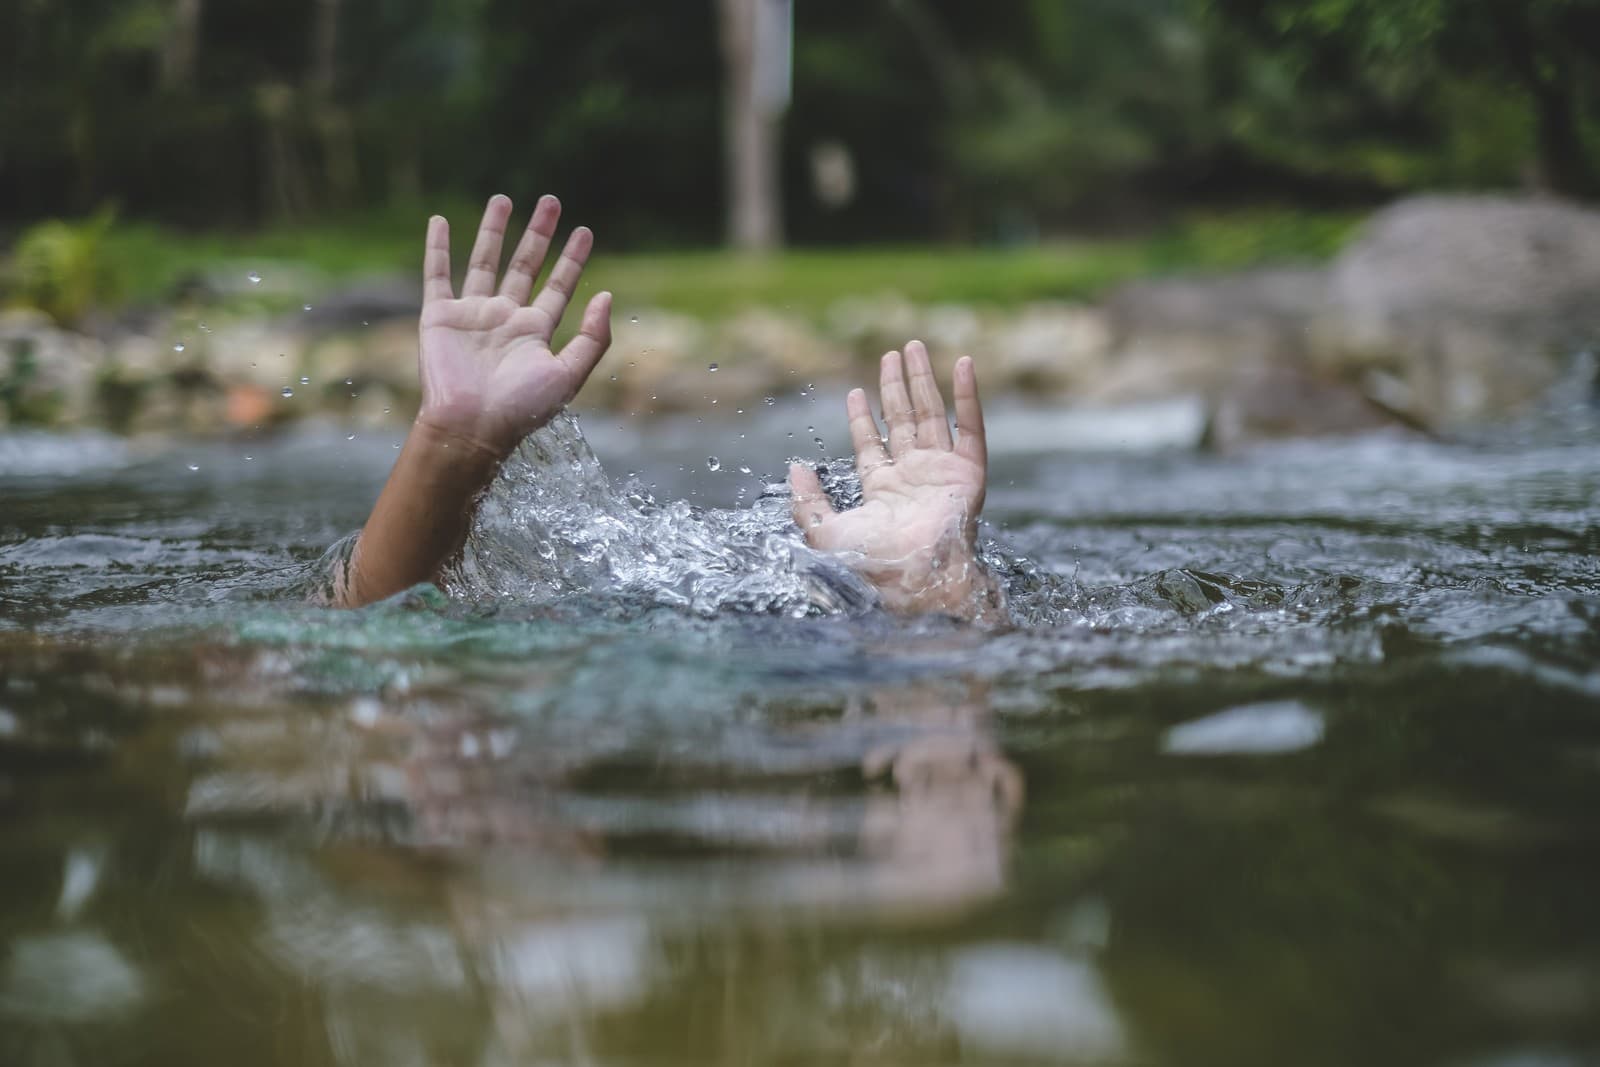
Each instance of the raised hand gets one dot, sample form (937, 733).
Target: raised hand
(489, 376)
(915, 534)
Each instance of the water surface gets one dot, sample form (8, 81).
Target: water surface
(1291, 757)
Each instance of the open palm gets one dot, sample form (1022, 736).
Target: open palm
(922, 490)
(489, 375)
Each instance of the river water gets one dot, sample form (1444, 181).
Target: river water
(1291, 756)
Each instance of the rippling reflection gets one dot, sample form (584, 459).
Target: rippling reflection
(1292, 759)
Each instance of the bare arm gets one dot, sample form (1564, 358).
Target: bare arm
(489, 378)
(915, 535)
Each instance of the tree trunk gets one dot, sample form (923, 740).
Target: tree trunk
(751, 136)
(1563, 164)
(330, 124)
(182, 45)
(324, 48)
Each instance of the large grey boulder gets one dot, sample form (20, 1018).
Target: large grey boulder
(1458, 308)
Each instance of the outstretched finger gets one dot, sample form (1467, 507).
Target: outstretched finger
(436, 262)
(527, 260)
(969, 414)
(870, 453)
(563, 281)
(896, 405)
(593, 338)
(933, 431)
(485, 261)
(810, 503)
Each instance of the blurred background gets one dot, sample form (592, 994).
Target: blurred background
(1290, 754)
(204, 202)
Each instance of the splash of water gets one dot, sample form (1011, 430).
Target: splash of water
(554, 525)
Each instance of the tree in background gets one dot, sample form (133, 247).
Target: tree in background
(950, 119)
(1547, 52)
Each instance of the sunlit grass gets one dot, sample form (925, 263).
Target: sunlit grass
(152, 264)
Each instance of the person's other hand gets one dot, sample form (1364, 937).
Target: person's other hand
(489, 376)
(915, 534)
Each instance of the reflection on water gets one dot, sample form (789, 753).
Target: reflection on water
(1291, 758)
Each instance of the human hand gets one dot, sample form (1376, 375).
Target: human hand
(489, 376)
(915, 534)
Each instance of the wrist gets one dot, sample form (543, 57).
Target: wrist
(448, 441)
(949, 581)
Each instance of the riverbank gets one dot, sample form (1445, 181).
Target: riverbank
(1438, 313)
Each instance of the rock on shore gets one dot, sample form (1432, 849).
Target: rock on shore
(1444, 311)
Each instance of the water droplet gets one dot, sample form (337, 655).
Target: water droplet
(287, 391)
(771, 400)
(305, 381)
(247, 459)
(386, 411)
(633, 363)
(194, 466)
(744, 470)
(305, 307)
(809, 429)
(713, 463)
(789, 434)
(179, 347)
(738, 411)
(255, 279)
(820, 445)
(634, 319)
(613, 377)
(712, 368)
(252, 363)
(204, 328)
(351, 437)
(713, 400)
(349, 381)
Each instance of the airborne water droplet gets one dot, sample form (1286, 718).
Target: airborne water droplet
(305, 307)
(712, 368)
(819, 443)
(771, 400)
(255, 279)
(179, 347)
(194, 466)
(287, 391)
(744, 470)
(713, 463)
(634, 319)
(305, 381)
(351, 437)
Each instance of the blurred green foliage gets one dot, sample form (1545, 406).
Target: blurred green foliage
(1001, 123)
(60, 268)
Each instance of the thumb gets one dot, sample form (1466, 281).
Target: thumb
(811, 504)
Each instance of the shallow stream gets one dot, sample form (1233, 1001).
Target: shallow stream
(1291, 757)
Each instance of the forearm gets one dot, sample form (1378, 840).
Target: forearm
(422, 516)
